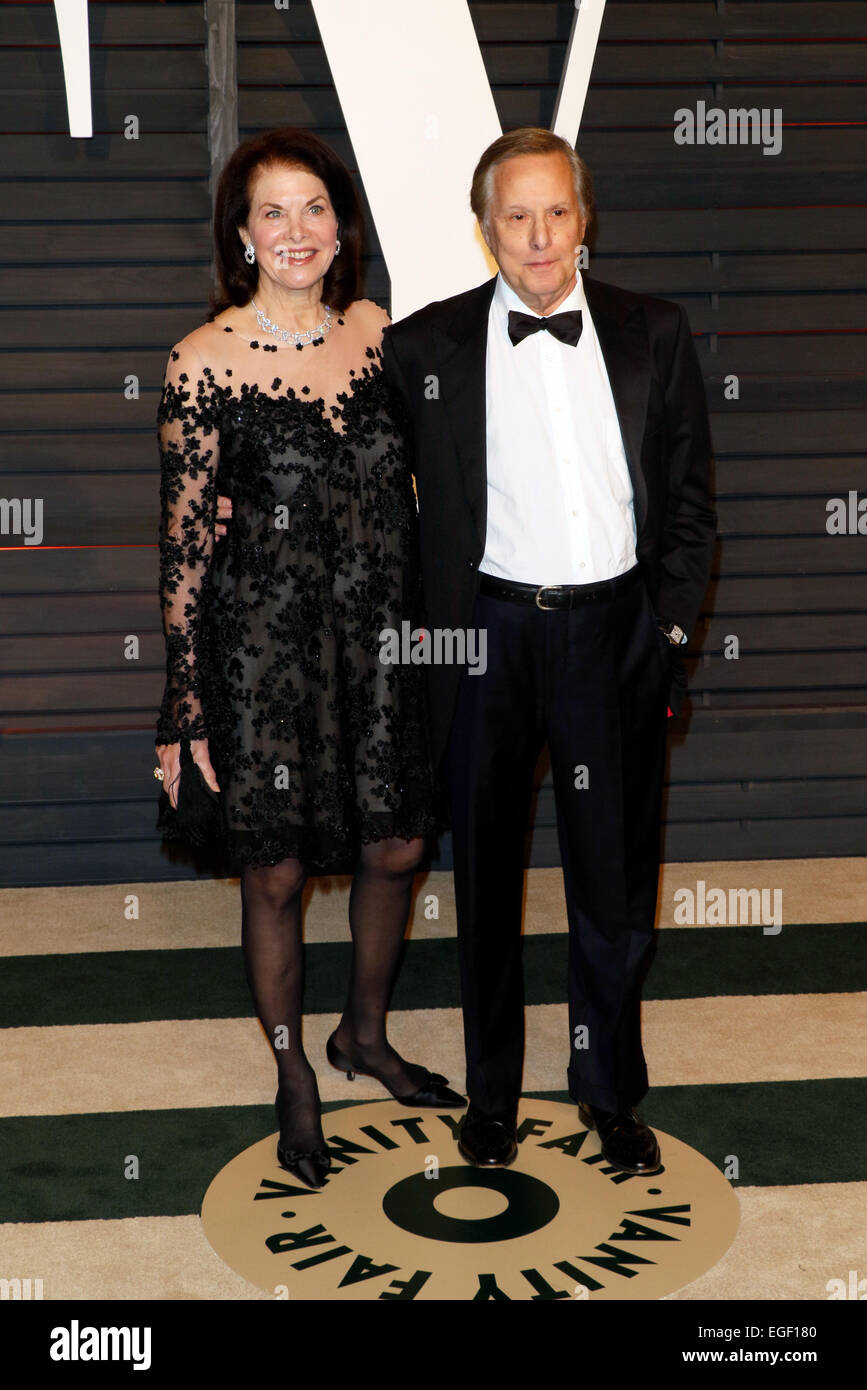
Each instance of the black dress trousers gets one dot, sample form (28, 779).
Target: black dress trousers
(592, 680)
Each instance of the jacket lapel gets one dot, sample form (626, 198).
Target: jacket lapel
(463, 389)
(622, 336)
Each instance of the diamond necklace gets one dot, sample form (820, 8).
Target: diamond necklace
(289, 337)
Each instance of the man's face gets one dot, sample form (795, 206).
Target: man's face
(535, 226)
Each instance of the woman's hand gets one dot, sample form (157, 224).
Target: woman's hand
(169, 755)
(224, 513)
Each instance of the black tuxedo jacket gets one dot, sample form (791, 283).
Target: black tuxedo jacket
(435, 359)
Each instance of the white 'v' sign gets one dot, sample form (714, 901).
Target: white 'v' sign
(71, 18)
(419, 111)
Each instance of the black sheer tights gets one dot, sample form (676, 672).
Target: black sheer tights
(271, 940)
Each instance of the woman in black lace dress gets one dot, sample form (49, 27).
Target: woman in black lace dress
(318, 749)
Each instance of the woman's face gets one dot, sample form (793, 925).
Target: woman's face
(292, 225)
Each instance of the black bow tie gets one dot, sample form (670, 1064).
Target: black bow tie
(565, 327)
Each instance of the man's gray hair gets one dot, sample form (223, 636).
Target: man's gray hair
(528, 140)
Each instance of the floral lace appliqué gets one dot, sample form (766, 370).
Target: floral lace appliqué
(273, 632)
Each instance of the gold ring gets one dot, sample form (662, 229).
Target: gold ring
(158, 773)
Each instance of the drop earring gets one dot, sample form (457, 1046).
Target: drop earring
(337, 247)
(249, 253)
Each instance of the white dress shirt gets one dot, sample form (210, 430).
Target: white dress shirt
(560, 507)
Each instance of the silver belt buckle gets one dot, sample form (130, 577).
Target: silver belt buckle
(548, 608)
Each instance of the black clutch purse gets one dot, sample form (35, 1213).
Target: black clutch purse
(199, 817)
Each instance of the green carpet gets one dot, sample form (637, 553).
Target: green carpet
(136, 986)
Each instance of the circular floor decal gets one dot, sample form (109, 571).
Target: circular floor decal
(403, 1216)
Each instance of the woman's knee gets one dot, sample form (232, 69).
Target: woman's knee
(276, 884)
(394, 856)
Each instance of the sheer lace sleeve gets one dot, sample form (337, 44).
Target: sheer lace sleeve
(189, 446)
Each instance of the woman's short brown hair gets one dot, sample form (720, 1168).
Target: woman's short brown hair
(528, 140)
(296, 149)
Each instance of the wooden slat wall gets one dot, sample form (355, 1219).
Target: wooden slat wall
(106, 264)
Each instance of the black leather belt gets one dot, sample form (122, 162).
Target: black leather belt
(557, 595)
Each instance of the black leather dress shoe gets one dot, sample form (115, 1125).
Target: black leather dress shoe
(627, 1142)
(488, 1140)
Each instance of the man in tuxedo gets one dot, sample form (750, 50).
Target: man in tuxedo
(562, 460)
